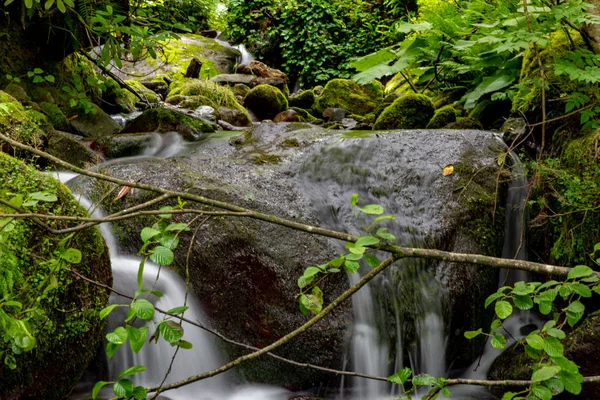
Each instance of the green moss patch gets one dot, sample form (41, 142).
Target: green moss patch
(411, 111)
(442, 117)
(166, 120)
(266, 101)
(349, 95)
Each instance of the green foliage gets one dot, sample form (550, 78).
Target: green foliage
(312, 40)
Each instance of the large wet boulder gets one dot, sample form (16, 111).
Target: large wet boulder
(349, 95)
(245, 272)
(95, 124)
(66, 329)
(164, 120)
(266, 101)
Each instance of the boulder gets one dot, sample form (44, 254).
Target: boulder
(232, 79)
(266, 101)
(241, 90)
(234, 117)
(442, 117)
(287, 116)
(465, 123)
(279, 83)
(211, 33)
(349, 95)
(146, 94)
(16, 123)
(163, 120)
(66, 328)
(56, 117)
(411, 111)
(261, 70)
(68, 148)
(95, 124)
(335, 114)
(124, 145)
(18, 92)
(304, 99)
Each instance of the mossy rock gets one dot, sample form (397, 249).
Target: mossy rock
(67, 148)
(349, 95)
(266, 101)
(442, 117)
(39, 119)
(214, 94)
(143, 91)
(116, 99)
(411, 111)
(194, 102)
(16, 123)
(465, 123)
(239, 89)
(305, 99)
(56, 117)
(125, 145)
(95, 124)
(163, 120)
(18, 92)
(68, 329)
(304, 115)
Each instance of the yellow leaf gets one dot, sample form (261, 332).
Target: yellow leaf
(448, 170)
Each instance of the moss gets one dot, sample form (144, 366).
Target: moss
(39, 119)
(265, 159)
(304, 115)
(465, 123)
(217, 95)
(442, 117)
(68, 330)
(142, 91)
(411, 111)
(16, 122)
(194, 102)
(290, 142)
(239, 89)
(18, 92)
(349, 95)
(304, 99)
(56, 117)
(296, 126)
(266, 101)
(168, 120)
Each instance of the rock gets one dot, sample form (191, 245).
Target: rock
(146, 94)
(349, 95)
(228, 127)
(211, 33)
(465, 123)
(16, 122)
(411, 111)
(95, 124)
(349, 123)
(287, 116)
(361, 126)
(318, 90)
(266, 101)
(279, 83)
(261, 70)
(68, 148)
(243, 69)
(304, 114)
(56, 117)
(334, 114)
(163, 120)
(235, 117)
(240, 90)
(17, 91)
(66, 341)
(389, 99)
(177, 54)
(232, 79)
(304, 99)
(158, 86)
(513, 129)
(124, 145)
(442, 117)
(193, 69)
(176, 99)
(206, 112)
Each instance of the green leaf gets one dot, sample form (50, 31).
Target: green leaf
(177, 227)
(137, 337)
(408, 27)
(509, 395)
(38, 71)
(384, 218)
(311, 271)
(553, 347)
(424, 380)
(140, 393)
(544, 373)
(43, 196)
(353, 257)
(555, 385)
(576, 307)
(542, 392)
(354, 200)
(185, 344)
(72, 256)
(140, 274)
(136, 369)
(49, 78)
(171, 331)
(573, 318)
(535, 341)
(503, 309)
(118, 336)
(523, 302)
(161, 255)
(557, 333)
(178, 310)
(351, 266)
(372, 260)
(580, 271)
(148, 233)
(472, 334)
(373, 209)
(99, 385)
(401, 376)
(123, 388)
(107, 310)
(382, 233)
(142, 308)
(491, 298)
(48, 4)
(498, 341)
(489, 84)
(311, 303)
(582, 290)
(571, 381)
(366, 241)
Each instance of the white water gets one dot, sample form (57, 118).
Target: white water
(157, 357)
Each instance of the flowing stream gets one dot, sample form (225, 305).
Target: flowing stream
(403, 305)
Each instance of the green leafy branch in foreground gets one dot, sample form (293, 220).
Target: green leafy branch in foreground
(553, 373)
(311, 296)
(159, 241)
